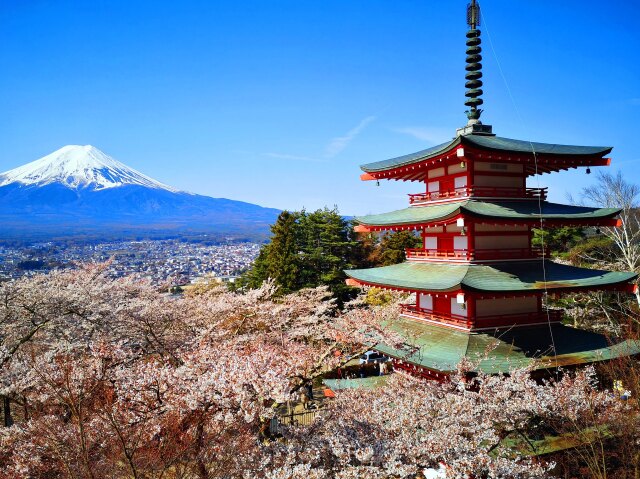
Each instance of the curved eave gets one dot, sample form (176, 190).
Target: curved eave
(497, 143)
(507, 277)
(548, 156)
(507, 211)
(413, 215)
(442, 349)
(411, 158)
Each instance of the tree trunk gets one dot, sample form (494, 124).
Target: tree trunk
(201, 467)
(6, 408)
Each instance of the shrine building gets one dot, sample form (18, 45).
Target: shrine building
(480, 286)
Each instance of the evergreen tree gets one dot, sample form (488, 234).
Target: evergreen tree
(253, 277)
(327, 248)
(307, 250)
(277, 260)
(393, 245)
(558, 240)
(282, 263)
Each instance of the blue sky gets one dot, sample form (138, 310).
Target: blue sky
(278, 102)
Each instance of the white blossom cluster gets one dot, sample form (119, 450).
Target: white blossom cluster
(115, 379)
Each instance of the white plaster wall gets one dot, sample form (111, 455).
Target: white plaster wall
(426, 301)
(459, 309)
(430, 242)
(505, 181)
(453, 228)
(488, 166)
(460, 181)
(490, 227)
(489, 307)
(435, 173)
(499, 242)
(456, 168)
(460, 242)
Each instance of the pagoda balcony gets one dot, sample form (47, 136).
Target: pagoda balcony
(480, 192)
(453, 320)
(482, 322)
(475, 255)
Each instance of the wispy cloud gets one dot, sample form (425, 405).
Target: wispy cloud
(432, 135)
(284, 156)
(336, 145)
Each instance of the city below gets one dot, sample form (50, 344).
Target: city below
(176, 261)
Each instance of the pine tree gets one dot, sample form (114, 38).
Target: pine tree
(307, 250)
(281, 255)
(393, 245)
(277, 260)
(327, 249)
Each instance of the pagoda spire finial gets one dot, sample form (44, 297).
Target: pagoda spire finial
(474, 74)
(474, 67)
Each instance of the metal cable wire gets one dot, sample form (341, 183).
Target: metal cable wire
(535, 158)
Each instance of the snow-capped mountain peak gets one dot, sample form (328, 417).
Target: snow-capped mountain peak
(78, 167)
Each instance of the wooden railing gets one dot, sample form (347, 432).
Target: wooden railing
(416, 253)
(480, 191)
(546, 315)
(450, 319)
(304, 418)
(493, 321)
(477, 254)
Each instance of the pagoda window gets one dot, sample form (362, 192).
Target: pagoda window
(435, 173)
(458, 309)
(456, 168)
(499, 181)
(460, 182)
(433, 187)
(430, 242)
(499, 242)
(503, 306)
(498, 167)
(460, 243)
(425, 301)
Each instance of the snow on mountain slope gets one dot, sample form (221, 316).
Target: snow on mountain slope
(79, 167)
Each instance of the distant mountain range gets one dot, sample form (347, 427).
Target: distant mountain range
(80, 191)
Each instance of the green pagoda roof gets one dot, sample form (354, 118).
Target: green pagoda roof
(511, 210)
(441, 349)
(488, 143)
(515, 276)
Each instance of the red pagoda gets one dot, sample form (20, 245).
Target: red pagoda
(480, 285)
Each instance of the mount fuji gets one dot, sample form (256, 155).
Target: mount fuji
(81, 191)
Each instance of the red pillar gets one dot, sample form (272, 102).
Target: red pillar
(471, 310)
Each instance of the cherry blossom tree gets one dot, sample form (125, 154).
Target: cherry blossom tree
(117, 379)
(116, 372)
(410, 425)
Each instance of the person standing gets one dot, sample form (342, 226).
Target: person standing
(309, 387)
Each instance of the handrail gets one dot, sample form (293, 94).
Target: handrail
(477, 254)
(451, 319)
(437, 253)
(484, 191)
(496, 320)
(304, 418)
